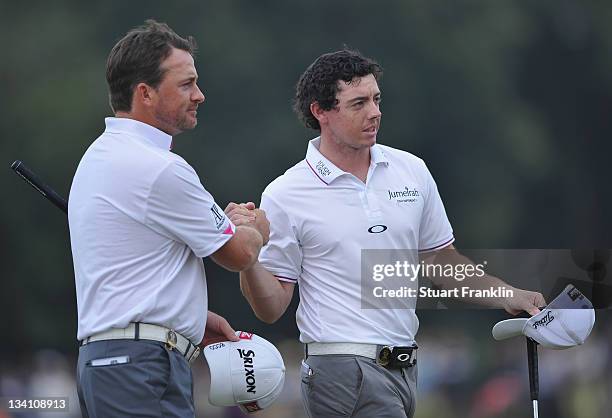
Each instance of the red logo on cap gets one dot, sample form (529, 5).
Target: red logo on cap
(245, 335)
(251, 406)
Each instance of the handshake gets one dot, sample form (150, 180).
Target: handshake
(247, 214)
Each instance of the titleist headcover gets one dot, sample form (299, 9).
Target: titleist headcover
(566, 322)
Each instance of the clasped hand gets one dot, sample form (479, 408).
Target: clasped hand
(248, 214)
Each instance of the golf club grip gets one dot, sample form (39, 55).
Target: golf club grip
(532, 361)
(29, 176)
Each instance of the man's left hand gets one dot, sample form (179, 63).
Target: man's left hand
(217, 330)
(524, 300)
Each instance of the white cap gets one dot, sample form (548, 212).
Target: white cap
(249, 373)
(566, 322)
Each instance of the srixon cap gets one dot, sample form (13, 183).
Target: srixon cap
(249, 373)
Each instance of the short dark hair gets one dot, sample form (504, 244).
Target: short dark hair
(319, 83)
(137, 57)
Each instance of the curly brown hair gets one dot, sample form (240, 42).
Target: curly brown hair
(319, 83)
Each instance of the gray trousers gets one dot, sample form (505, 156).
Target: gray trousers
(126, 378)
(354, 386)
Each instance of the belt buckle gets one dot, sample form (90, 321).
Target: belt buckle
(171, 340)
(390, 358)
(384, 356)
(194, 355)
(408, 358)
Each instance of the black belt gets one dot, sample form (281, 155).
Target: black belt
(396, 357)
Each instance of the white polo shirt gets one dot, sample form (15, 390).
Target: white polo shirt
(322, 217)
(140, 223)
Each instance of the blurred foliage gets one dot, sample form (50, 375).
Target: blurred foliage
(508, 102)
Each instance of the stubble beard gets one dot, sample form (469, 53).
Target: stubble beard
(175, 123)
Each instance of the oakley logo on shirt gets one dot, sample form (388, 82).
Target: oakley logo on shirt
(377, 229)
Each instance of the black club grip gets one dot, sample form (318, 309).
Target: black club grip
(29, 176)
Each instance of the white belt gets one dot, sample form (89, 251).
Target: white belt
(140, 331)
(321, 349)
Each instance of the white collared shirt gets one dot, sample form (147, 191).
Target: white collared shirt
(140, 223)
(322, 217)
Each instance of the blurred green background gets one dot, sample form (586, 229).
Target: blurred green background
(509, 103)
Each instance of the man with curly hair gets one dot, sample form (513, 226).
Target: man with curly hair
(350, 194)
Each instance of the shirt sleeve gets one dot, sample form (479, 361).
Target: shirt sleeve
(282, 256)
(435, 231)
(180, 208)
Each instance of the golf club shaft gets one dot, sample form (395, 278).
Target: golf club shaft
(532, 361)
(29, 176)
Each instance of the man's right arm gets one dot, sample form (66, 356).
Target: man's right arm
(252, 232)
(268, 296)
(241, 251)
